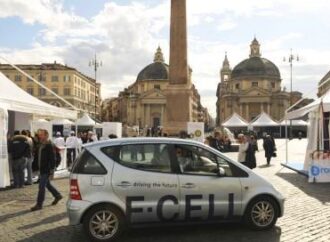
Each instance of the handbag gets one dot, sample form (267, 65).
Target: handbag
(274, 154)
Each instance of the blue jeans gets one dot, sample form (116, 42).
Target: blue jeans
(43, 183)
(18, 171)
(29, 170)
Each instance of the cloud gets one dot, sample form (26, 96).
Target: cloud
(125, 38)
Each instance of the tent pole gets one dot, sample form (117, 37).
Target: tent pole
(286, 142)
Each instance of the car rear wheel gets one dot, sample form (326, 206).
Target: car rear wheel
(104, 223)
(261, 213)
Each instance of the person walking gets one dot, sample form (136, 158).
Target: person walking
(29, 159)
(251, 153)
(72, 145)
(242, 149)
(269, 147)
(20, 151)
(46, 160)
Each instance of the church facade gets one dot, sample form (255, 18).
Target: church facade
(253, 86)
(143, 103)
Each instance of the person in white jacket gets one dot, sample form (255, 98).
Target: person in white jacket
(72, 144)
(242, 149)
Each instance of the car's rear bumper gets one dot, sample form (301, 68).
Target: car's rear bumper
(76, 209)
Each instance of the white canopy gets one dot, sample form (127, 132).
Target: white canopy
(61, 121)
(235, 121)
(264, 120)
(294, 123)
(311, 107)
(15, 99)
(85, 120)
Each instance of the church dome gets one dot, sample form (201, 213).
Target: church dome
(155, 71)
(256, 67)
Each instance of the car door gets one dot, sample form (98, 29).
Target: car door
(142, 177)
(204, 195)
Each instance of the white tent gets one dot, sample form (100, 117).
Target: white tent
(15, 99)
(235, 121)
(311, 107)
(294, 123)
(63, 121)
(85, 120)
(316, 137)
(264, 120)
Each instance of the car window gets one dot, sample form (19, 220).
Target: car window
(150, 157)
(199, 161)
(86, 163)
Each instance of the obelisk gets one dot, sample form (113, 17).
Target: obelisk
(178, 94)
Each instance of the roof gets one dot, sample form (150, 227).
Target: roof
(154, 71)
(325, 99)
(85, 120)
(256, 67)
(16, 99)
(45, 67)
(294, 123)
(263, 120)
(235, 121)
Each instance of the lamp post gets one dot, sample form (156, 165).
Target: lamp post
(95, 63)
(291, 59)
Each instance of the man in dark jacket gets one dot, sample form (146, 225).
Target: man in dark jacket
(19, 149)
(269, 147)
(46, 160)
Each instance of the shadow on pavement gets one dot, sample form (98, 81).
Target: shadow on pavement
(48, 220)
(6, 217)
(220, 232)
(320, 191)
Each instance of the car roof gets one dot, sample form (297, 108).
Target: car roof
(139, 140)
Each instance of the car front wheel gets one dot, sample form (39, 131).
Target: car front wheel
(103, 223)
(261, 213)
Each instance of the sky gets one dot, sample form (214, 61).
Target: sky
(126, 33)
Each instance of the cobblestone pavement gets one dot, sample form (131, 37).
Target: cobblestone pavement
(306, 218)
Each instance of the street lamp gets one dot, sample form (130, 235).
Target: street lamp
(291, 59)
(96, 64)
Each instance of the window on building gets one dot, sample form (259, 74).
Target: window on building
(8, 76)
(157, 87)
(18, 78)
(30, 90)
(273, 84)
(42, 77)
(55, 89)
(67, 91)
(54, 78)
(237, 86)
(42, 91)
(255, 84)
(66, 78)
(75, 92)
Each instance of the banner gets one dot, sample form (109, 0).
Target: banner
(196, 131)
(319, 169)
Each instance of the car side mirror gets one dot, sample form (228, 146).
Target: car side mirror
(221, 172)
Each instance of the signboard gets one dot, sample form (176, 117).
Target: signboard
(319, 169)
(196, 131)
(111, 128)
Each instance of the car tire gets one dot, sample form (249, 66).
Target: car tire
(104, 223)
(261, 213)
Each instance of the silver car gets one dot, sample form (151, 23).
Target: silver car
(124, 183)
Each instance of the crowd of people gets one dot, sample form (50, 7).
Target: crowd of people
(219, 142)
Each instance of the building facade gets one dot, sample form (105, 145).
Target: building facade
(143, 103)
(324, 85)
(251, 87)
(67, 82)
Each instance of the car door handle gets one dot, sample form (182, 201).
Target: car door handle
(124, 184)
(188, 185)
